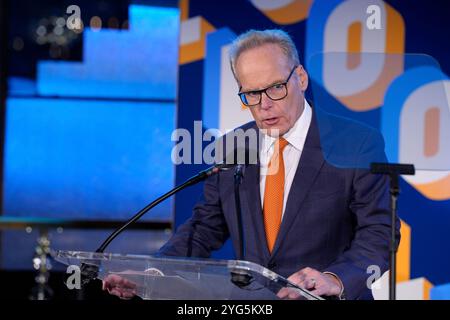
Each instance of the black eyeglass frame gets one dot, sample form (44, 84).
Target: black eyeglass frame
(260, 92)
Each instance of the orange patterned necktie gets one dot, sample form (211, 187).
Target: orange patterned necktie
(274, 193)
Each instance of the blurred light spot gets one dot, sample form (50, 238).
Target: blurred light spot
(60, 22)
(41, 40)
(28, 229)
(37, 263)
(96, 23)
(58, 30)
(41, 31)
(18, 44)
(78, 31)
(61, 40)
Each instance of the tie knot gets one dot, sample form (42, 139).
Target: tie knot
(282, 143)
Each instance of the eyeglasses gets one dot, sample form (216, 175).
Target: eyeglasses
(275, 92)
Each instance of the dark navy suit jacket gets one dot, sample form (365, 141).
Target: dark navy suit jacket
(336, 219)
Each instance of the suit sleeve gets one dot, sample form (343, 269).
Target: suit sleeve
(369, 205)
(205, 231)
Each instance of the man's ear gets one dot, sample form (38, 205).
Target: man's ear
(303, 76)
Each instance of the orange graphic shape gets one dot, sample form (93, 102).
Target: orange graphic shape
(294, 12)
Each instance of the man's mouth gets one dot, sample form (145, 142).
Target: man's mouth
(271, 121)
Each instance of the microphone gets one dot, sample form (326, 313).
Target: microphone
(90, 271)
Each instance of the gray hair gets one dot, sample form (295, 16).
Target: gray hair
(256, 38)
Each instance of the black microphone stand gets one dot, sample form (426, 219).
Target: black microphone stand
(393, 170)
(237, 181)
(239, 277)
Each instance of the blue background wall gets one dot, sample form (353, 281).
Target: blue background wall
(426, 26)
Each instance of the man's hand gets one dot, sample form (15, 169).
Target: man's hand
(318, 283)
(118, 286)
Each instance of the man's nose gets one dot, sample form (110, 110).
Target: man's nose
(266, 102)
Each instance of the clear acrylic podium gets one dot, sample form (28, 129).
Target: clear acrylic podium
(170, 278)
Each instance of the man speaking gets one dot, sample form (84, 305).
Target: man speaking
(318, 224)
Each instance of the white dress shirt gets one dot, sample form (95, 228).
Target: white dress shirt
(296, 137)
